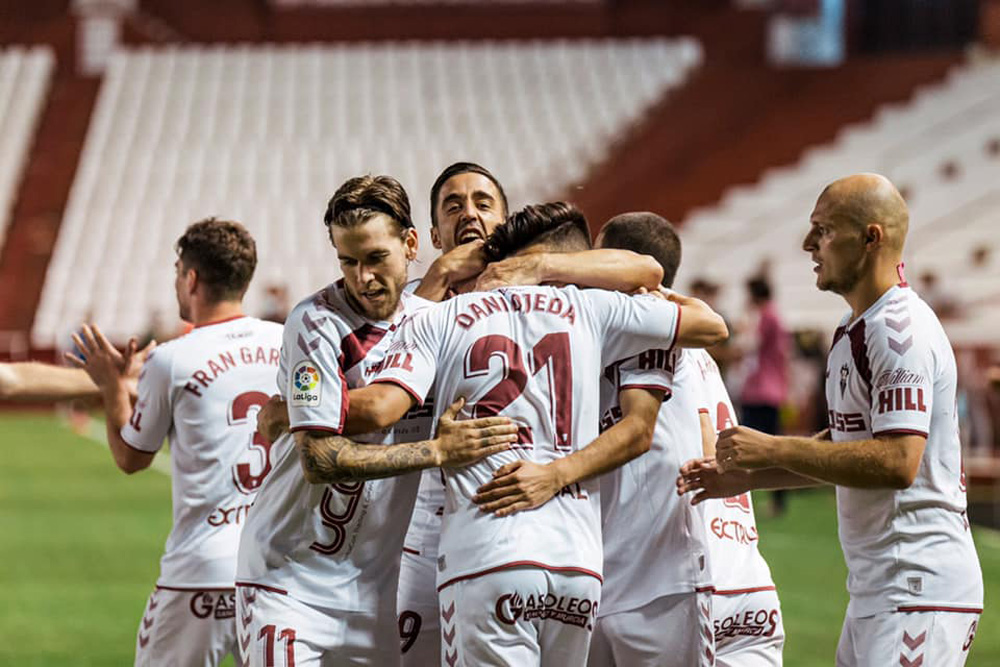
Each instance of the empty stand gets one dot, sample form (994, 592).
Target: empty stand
(942, 149)
(265, 135)
(25, 74)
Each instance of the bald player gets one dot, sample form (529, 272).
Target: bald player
(892, 449)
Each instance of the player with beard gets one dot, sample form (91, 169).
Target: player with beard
(200, 391)
(467, 204)
(556, 550)
(319, 559)
(892, 448)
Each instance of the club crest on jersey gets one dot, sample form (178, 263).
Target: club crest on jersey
(845, 372)
(306, 385)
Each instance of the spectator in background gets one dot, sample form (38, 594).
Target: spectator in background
(944, 304)
(276, 304)
(725, 353)
(765, 386)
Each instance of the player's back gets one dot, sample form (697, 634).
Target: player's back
(533, 354)
(654, 540)
(203, 390)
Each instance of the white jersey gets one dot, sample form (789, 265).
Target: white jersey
(335, 546)
(892, 370)
(737, 564)
(654, 540)
(532, 354)
(424, 533)
(203, 391)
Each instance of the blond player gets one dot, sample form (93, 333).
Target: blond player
(892, 448)
(320, 555)
(199, 391)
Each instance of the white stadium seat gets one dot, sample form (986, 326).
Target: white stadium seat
(25, 75)
(264, 135)
(935, 148)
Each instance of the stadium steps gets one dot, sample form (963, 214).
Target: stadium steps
(43, 194)
(730, 124)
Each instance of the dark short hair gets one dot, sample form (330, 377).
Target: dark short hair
(558, 225)
(362, 197)
(463, 168)
(222, 253)
(760, 288)
(647, 234)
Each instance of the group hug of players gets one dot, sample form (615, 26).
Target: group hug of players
(523, 458)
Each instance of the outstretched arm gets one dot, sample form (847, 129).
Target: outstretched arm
(523, 485)
(606, 268)
(889, 461)
(700, 326)
(35, 381)
(327, 459)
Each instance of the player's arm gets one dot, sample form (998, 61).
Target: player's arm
(699, 326)
(461, 264)
(328, 459)
(887, 461)
(109, 370)
(606, 268)
(523, 485)
(35, 381)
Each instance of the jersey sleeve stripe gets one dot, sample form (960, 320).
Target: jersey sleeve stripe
(704, 411)
(956, 610)
(677, 330)
(650, 387)
(269, 589)
(316, 427)
(402, 385)
(900, 431)
(521, 563)
(743, 591)
(134, 447)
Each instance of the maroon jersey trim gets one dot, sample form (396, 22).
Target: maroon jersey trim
(744, 591)
(269, 589)
(955, 610)
(900, 431)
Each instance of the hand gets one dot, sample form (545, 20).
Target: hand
(704, 476)
(743, 448)
(463, 262)
(522, 270)
(272, 419)
(516, 486)
(459, 443)
(134, 360)
(105, 365)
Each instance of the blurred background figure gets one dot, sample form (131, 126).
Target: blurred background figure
(764, 343)
(276, 303)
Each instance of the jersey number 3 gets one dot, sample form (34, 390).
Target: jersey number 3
(259, 452)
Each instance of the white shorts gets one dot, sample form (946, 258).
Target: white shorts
(276, 630)
(748, 629)
(417, 609)
(908, 638)
(528, 617)
(673, 630)
(187, 627)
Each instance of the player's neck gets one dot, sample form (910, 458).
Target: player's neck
(871, 288)
(205, 313)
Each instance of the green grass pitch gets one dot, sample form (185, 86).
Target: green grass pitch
(81, 544)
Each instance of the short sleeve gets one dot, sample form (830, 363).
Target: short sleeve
(412, 358)
(902, 383)
(652, 369)
(315, 387)
(631, 325)
(153, 413)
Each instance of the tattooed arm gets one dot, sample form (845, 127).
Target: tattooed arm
(327, 459)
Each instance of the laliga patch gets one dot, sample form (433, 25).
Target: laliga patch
(307, 386)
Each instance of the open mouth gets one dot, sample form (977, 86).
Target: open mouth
(471, 232)
(374, 294)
